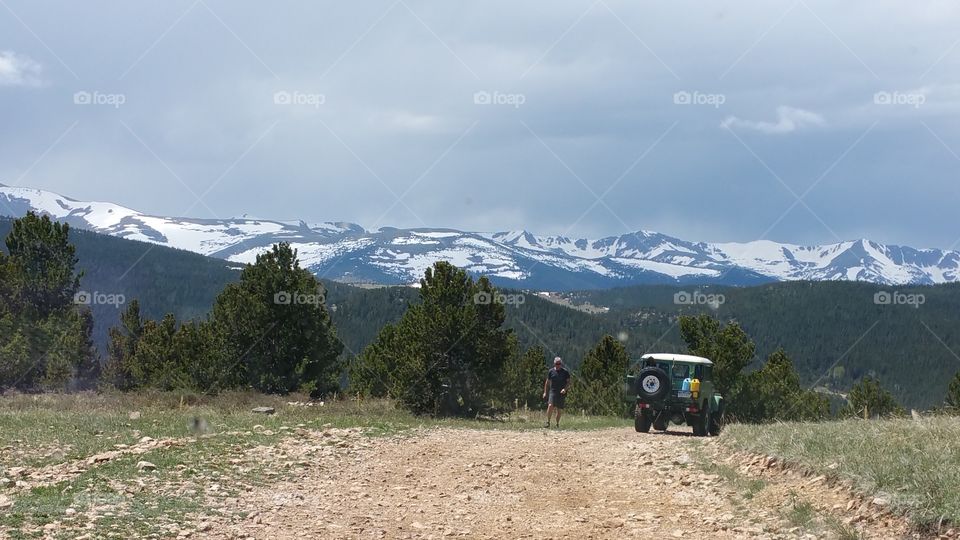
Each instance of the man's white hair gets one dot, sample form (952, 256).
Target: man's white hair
(557, 359)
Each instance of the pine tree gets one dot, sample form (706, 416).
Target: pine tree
(773, 393)
(6, 286)
(953, 394)
(524, 376)
(48, 343)
(15, 355)
(154, 362)
(727, 346)
(200, 351)
(598, 389)
(371, 374)
(70, 361)
(447, 351)
(123, 348)
(276, 327)
(43, 262)
(868, 399)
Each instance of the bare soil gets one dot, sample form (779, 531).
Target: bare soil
(611, 483)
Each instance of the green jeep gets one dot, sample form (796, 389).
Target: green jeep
(655, 384)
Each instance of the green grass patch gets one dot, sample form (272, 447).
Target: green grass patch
(800, 513)
(841, 530)
(913, 463)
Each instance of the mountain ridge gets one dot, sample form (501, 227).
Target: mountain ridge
(348, 252)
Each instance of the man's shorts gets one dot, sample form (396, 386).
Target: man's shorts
(556, 399)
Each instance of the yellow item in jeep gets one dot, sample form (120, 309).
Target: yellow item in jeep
(695, 387)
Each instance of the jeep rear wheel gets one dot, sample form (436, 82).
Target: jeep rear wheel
(701, 423)
(641, 422)
(660, 422)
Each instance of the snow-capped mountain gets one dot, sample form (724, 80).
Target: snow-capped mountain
(348, 252)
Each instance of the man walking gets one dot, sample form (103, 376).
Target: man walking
(556, 387)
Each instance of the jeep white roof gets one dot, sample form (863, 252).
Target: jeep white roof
(669, 357)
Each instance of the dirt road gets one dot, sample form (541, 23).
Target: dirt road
(609, 483)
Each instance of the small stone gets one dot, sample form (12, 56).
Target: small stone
(816, 480)
(70, 512)
(135, 415)
(613, 523)
(5, 502)
(880, 501)
(264, 410)
(146, 466)
(7, 483)
(102, 458)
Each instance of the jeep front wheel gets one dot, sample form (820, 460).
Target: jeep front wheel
(716, 422)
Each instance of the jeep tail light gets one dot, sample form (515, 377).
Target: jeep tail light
(644, 405)
(692, 409)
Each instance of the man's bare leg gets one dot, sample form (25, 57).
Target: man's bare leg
(549, 411)
(559, 412)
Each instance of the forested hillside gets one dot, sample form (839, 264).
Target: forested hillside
(834, 331)
(163, 279)
(911, 347)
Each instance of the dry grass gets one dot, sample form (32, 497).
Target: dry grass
(915, 464)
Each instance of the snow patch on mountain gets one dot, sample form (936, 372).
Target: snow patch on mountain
(340, 250)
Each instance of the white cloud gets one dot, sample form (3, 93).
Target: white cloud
(410, 121)
(18, 70)
(789, 119)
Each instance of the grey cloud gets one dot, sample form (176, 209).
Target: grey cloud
(579, 93)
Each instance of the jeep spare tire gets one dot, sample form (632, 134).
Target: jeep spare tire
(653, 384)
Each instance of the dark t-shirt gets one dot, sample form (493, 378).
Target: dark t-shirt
(558, 379)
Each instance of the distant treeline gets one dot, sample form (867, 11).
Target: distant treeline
(179, 304)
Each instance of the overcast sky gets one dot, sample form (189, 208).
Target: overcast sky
(796, 121)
